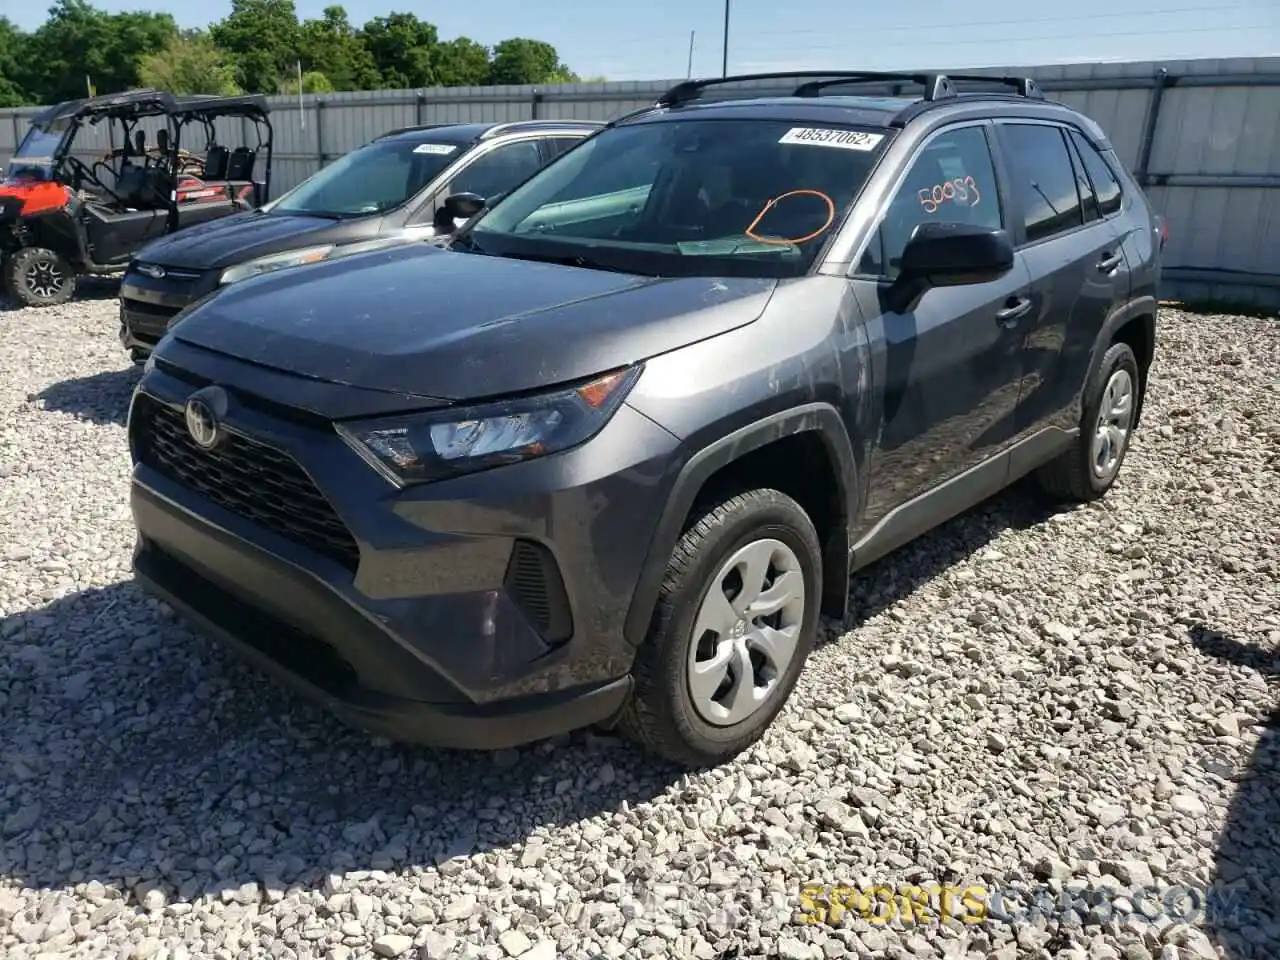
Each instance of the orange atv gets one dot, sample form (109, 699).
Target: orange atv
(61, 217)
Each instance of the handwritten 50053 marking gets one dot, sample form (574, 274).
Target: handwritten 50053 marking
(962, 190)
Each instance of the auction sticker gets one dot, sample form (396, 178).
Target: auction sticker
(825, 137)
(435, 149)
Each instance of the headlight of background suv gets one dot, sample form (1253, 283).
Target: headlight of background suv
(444, 443)
(276, 261)
(297, 258)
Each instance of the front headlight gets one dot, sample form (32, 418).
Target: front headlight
(297, 258)
(445, 443)
(276, 261)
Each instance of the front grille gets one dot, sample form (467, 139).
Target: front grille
(146, 321)
(248, 478)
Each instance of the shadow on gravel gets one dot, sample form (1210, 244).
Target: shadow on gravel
(88, 289)
(1242, 913)
(99, 398)
(139, 756)
(132, 752)
(899, 574)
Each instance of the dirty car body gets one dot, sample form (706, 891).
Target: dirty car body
(608, 457)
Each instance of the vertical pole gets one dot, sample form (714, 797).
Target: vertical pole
(688, 74)
(420, 108)
(534, 100)
(724, 65)
(1149, 122)
(320, 130)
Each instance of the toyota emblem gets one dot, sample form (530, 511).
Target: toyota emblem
(202, 423)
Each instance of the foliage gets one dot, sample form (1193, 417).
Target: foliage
(258, 48)
(190, 63)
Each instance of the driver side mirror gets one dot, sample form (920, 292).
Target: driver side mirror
(949, 255)
(457, 206)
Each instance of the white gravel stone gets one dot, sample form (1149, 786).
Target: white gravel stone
(1029, 699)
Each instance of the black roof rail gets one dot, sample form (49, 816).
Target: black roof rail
(937, 86)
(1025, 86)
(689, 89)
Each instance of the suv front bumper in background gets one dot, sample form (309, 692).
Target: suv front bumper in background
(148, 305)
(478, 612)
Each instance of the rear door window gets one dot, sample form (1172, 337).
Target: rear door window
(1044, 181)
(1105, 185)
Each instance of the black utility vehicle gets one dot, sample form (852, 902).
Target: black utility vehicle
(387, 191)
(606, 459)
(61, 217)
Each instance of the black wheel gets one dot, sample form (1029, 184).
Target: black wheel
(734, 623)
(1111, 400)
(138, 355)
(38, 277)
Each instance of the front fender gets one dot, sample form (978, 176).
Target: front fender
(820, 418)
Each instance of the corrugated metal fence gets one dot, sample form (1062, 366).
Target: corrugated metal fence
(1201, 135)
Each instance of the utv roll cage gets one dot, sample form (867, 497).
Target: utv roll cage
(136, 171)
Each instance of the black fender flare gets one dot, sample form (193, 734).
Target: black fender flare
(1144, 306)
(820, 418)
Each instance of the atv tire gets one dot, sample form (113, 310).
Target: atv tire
(39, 277)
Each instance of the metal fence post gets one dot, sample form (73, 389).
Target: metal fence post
(534, 101)
(320, 154)
(1142, 168)
(420, 108)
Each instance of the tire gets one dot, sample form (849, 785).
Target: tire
(664, 713)
(39, 277)
(1072, 476)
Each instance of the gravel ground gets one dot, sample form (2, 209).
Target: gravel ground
(1075, 706)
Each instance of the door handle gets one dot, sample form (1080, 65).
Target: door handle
(1109, 262)
(1018, 307)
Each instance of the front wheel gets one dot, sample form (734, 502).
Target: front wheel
(38, 277)
(734, 624)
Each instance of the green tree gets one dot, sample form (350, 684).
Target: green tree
(313, 81)
(190, 63)
(261, 37)
(461, 63)
(332, 46)
(521, 60)
(12, 44)
(79, 41)
(403, 49)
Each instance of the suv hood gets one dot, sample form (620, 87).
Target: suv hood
(449, 325)
(217, 244)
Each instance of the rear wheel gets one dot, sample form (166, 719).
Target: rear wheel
(734, 623)
(1088, 469)
(39, 277)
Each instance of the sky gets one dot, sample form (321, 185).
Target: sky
(651, 39)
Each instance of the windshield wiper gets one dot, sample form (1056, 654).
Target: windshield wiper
(569, 260)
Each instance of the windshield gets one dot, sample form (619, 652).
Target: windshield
(687, 197)
(370, 179)
(35, 154)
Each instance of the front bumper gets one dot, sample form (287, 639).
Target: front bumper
(148, 306)
(479, 612)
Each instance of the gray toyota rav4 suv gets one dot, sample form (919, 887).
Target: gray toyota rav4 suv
(607, 457)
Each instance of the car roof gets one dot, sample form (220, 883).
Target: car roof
(474, 132)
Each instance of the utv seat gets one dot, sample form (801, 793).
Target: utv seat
(240, 164)
(216, 163)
